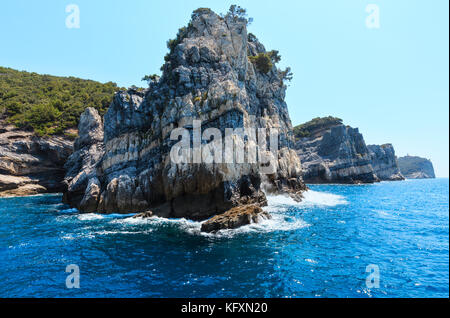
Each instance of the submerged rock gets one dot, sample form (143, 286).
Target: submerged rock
(331, 152)
(30, 164)
(143, 215)
(208, 76)
(236, 217)
(384, 162)
(413, 167)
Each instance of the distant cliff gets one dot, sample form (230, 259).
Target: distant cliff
(331, 152)
(384, 162)
(416, 167)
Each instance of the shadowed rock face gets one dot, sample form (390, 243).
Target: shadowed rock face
(29, 164)
(384, 162)
(413, 167)
(209, 77)
(335, 153)
(82, 183)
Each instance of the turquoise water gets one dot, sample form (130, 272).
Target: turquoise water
(319, 248)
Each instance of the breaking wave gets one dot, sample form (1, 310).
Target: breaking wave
(286, 216)
(310, 198)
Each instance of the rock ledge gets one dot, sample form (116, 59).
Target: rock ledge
(236, 217)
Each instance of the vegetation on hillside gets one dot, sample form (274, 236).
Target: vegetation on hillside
(305, 130)
(47, 104)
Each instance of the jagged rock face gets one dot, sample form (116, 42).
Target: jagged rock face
(208, 77)
(335, 154)
(413, 167)
(83, 186)
(384, 162)
(30, 164)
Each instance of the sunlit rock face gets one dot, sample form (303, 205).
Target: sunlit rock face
(413, 167)
(384, 162)
(207, 77)
(30, 164)
(335, 153)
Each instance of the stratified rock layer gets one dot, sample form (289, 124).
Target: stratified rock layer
(413, 167)
(334, 153)
(209, 77)
(384, 162)
(30, 164)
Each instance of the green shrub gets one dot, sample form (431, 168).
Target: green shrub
(265, 61)
(262, 62)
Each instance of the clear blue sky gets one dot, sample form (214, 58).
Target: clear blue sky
(391, 82)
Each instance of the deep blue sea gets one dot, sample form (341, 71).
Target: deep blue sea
(318, 248)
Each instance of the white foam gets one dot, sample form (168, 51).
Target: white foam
(310, 198)
(312, 261)
(279, 222)
(122, 232)
(323, 199)
(277, 206)
(90, 217)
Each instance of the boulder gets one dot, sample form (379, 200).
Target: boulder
(236, 217)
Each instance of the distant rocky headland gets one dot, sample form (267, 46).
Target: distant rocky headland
(413, 167)
(331, 152)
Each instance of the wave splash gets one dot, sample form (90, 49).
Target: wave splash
(310, 198)
(278, 206)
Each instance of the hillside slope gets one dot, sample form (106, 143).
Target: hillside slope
(38, 119)
(49, 105)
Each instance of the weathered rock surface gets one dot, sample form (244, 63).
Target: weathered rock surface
(29, 164)
(334, 153)
(207, 76)
(236, 217)
(143, 215)
(413, 167)
(81, 177)
(384, 162)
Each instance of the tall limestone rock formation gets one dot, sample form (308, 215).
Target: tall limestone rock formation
(384, 162)
(216, 73)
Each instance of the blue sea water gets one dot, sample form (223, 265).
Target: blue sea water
(318, 248)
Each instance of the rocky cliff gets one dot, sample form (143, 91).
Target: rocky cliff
(384, 162)
(215, 73)
(413, 167)
(331, 152)
(30, 164)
